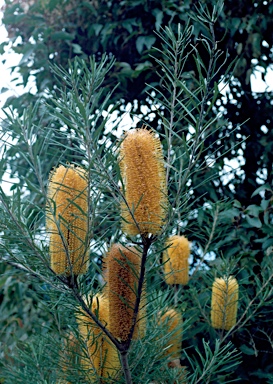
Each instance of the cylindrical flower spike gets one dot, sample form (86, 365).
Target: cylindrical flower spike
(143, 174)
(173, 321)
(69, 356)
(122, 270)
(176, 260)
(67, 220)
(224, 303)
(101, 359)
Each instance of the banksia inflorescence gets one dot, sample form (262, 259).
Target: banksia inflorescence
(67, 220)
(143, 174)
(176, 260)
(224, 303)
(122, 271)
(101, 357)
(69, 355)
(173, 321)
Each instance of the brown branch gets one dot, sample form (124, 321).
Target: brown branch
(147, 241)
(78, 297)
(125, 367)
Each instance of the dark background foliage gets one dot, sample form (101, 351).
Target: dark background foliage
(56, 31)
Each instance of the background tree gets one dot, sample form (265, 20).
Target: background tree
(59, 31)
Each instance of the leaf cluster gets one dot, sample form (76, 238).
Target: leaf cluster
(71, 124)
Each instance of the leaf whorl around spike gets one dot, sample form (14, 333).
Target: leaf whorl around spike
(102, 355)
(224, 303)
(176, 260)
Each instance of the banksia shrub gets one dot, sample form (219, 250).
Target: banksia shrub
(101, 357)
(122, 270)
(143, 174)
(172, 320)
(176, 260)
(67, 220)
(224, 303)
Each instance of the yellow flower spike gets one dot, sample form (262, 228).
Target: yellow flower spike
(69, 355)
(176, 260)
(102, 357)
(67, 220)
(122, 269)
(143, 174)
(224, 303)
(173, 320)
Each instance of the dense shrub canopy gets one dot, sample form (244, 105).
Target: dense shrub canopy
(226, 209)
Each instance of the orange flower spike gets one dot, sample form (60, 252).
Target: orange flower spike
(122, 268)
(67, 220)
(102, 358)
(224, 303)
(176, 260)
(143, 174)
(173, 320)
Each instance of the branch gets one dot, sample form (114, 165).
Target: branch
(147, 241)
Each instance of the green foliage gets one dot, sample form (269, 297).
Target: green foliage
(70, 122)
(46, 32)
